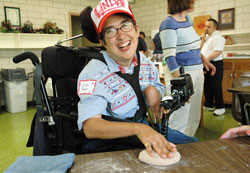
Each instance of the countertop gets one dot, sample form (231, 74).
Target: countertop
(237, 57)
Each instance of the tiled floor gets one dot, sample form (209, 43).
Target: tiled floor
(14, 130)
(214, 126)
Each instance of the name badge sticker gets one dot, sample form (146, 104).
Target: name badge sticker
(86, 87)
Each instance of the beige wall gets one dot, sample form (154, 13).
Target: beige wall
(41, 11)
(242, 11)
(150, 13)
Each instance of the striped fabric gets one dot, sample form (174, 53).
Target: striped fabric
(180, 44)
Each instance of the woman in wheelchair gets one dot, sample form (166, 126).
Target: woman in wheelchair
(115, 92)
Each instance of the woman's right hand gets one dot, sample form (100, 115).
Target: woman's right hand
(153, 140)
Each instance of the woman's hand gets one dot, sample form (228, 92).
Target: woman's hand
(153, 140)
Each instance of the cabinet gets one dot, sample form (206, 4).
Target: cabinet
(237, 59)
(233, 69)
(241, 46)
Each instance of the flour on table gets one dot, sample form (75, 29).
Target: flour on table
(157, 160)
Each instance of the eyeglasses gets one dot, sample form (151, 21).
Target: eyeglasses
(112, 32)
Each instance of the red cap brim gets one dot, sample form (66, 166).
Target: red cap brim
(101, 25)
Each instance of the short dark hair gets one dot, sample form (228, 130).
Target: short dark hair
(215, 22)
(142, 33)
(177, 6)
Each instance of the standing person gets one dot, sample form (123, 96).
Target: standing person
(142, 46)
(181, 47)
(142, 35)
(116, 91)
(157, 54)
(212, 47)
(158, 57)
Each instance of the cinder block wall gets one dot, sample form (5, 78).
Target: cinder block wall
(38, 12)
(150, 13)
(41, 11)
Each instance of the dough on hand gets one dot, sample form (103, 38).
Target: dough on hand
(157, 160)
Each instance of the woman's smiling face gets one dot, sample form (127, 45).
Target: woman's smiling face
(123, 46)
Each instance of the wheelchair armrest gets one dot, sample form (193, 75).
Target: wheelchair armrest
(74, 114)
(79, 132)
(67, 115)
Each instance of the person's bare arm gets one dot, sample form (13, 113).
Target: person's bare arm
(237, 131)
(176, 73)
(154, 100)
(97, 127)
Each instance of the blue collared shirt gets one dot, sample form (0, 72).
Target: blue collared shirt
(102, 91)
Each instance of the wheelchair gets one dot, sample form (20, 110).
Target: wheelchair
(241, 100)
(54, 127)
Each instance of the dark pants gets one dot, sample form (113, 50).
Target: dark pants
(213, 86)
(102, 145)
(132, 142)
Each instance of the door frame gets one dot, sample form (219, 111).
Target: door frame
(70, 24)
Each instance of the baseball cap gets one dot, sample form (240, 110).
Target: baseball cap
(105, 9)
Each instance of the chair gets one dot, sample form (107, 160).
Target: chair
(54, 127)
(62, 65)
(243, 81)
(245, 106)
(241, 104)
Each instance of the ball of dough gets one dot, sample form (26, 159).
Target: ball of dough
(157, 160)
